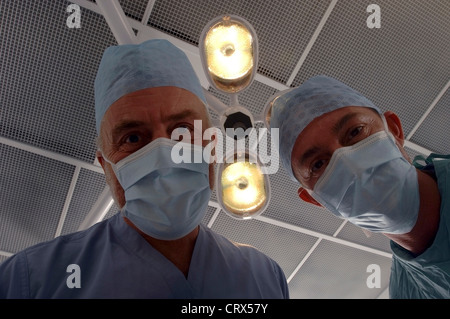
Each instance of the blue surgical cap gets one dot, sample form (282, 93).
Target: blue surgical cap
(128, 68)
(294, 109)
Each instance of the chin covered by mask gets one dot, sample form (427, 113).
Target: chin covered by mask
(371, 185)
(164, 199)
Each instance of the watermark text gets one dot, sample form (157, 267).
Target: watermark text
(255, 142)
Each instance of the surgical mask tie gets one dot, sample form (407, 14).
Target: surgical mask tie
(371, 185)
(164, 199)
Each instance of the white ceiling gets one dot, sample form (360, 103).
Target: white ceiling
(49, 181)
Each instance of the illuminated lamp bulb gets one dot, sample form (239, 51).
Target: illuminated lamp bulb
(228, 48)
(243, 188)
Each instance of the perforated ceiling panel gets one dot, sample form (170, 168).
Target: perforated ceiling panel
(49, 181)
(430, 132)
(401, 66)
(47, 72)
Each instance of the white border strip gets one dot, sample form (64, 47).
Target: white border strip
(148, 12)
(50, 154)
(433, 104)
(117, 21)
(311, 42)
(305, 258)
(5, 253)
(62, 218)
(98, 210)
(215, 215)
(417, 148)
(323, 236)
(87, 5)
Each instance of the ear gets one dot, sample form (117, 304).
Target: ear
(305, 196)
(395, 126)
(100, 159)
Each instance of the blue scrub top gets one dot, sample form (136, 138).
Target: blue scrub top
(111, 260)
(426, 276)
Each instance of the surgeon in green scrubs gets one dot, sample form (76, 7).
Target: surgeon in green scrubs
(348, 157)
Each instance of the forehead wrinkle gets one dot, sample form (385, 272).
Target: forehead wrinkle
(183, 114)
(308, 154)
(126, 124)
(190, 106)
(337, 127)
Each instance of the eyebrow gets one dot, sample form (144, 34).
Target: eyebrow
(308, 154)
(124, 126)
(336, 128)
(132, 124)
(181, 115)
(343, 121)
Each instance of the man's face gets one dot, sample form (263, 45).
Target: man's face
(317, 142)
(139, 118)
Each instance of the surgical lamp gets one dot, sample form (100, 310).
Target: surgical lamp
(243, 188)
(229, 55)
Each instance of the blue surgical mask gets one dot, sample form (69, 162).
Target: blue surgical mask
(164, 199)
(371, 185)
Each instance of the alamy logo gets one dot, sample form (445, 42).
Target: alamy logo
(374, 19)
(74, 279)
(74, 20)
(374, 279)
(214, 151)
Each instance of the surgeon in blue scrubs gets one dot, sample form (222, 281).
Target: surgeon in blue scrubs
(156, 246)
(348, 157)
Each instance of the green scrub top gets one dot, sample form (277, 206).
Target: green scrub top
(426, 276)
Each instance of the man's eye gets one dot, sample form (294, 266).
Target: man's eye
(182, 129)
(181, 132)
(353, 133)
(132, 138)
(317, 165)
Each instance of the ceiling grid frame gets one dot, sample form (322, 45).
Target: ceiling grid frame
(311, 42)
(68, 200)
(428, 111)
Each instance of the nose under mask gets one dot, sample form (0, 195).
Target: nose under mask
(371, 185)
(164, 199)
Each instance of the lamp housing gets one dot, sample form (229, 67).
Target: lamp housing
(229, 53)
(236, 121)
(267, 111)
(242, 185)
